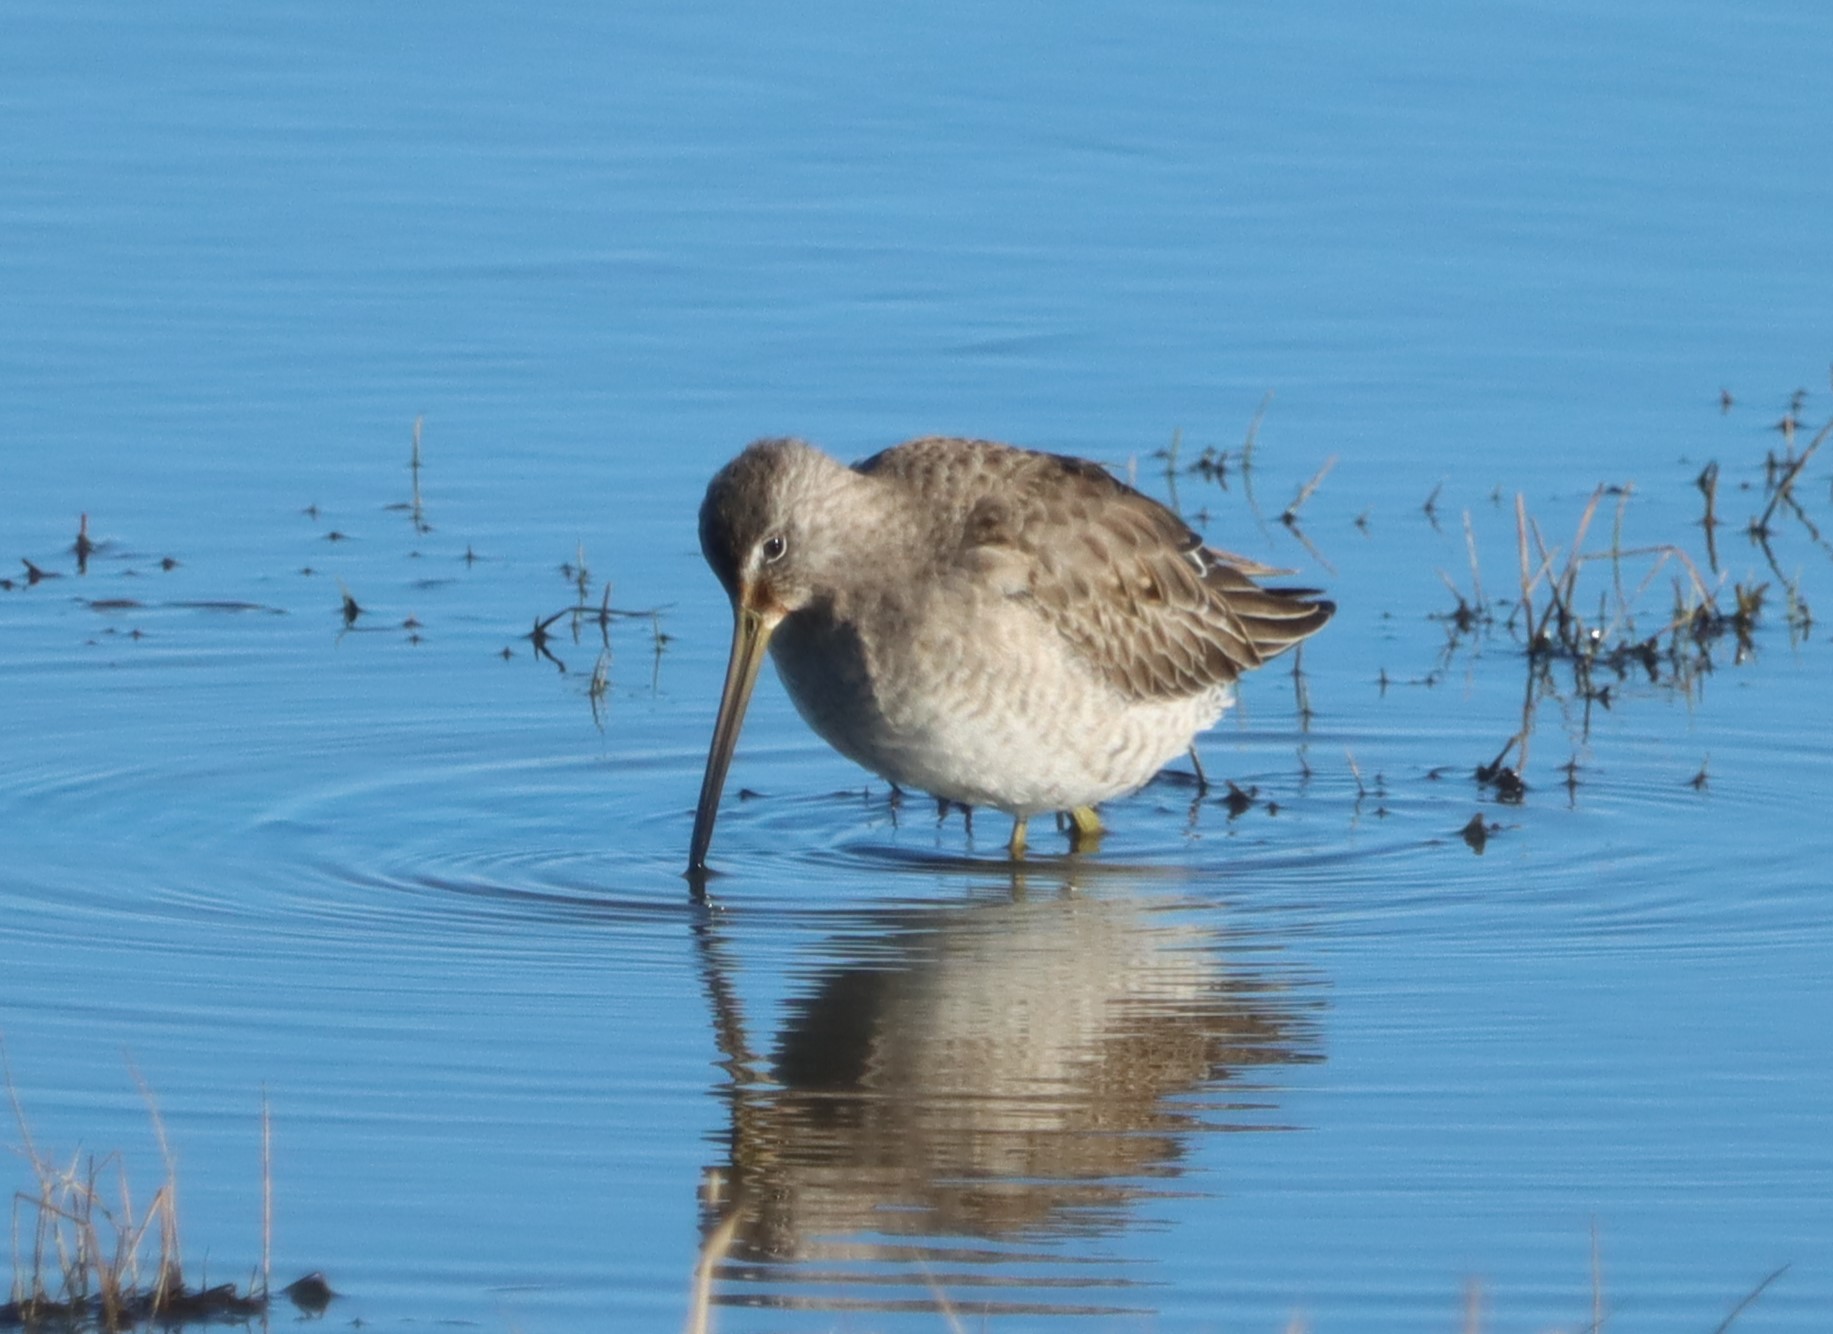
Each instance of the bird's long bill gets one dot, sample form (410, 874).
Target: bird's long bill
(750, 633)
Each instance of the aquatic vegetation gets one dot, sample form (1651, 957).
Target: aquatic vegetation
(85, 1257)
(1587, 626)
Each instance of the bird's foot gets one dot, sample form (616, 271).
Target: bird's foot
(1085, 829)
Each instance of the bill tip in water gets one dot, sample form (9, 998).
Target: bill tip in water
(697, 874)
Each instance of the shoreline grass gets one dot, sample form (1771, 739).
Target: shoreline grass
(86, 1255)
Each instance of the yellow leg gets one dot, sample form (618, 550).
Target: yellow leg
(1086, 832)
(1017, 845)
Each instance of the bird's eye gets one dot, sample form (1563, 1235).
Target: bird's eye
(774, 547)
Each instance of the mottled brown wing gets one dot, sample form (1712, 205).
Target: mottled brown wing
(1121, 577)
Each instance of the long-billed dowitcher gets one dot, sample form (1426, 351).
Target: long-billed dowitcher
(991, 625)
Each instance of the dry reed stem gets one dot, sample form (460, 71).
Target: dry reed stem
(1749, 1297)
(1662, 557)
(171, 1260)
(1253, 432)
(1450, 584)
(1521, 556)
(101, 1282)
(1311, 548)
(1476, 573)
(1562, 589)
(1546, 566)
(1574, 558)
(1708, 486)
(1761, 526)
(1301, 691)
(1304, 492)
(1519, 741)
(1616, 546)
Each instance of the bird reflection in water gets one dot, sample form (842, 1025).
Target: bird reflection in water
(966, 1098)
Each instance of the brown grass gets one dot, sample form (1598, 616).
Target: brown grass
(86, 1255)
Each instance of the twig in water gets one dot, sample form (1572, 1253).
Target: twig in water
(1301, 694)
(1169, 454)
(1616, 553)
(1311, 548)
(539, 637)
(1750, 1297)
(1248, 444)
(171, 1263)
(582, 577)
(1707, 482)
(662, 639)
(1760, 528)
(1464, 617)
(1476, 572)
(417, 512)
(1526, 605)
(1574, 557)
(1253, 433)
(1290, 517)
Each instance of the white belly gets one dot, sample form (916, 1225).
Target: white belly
(988, 709)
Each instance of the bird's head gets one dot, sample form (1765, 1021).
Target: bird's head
(764, 529)
(761, 529)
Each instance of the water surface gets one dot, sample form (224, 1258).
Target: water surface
(1317, 1058)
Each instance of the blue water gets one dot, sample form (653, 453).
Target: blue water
(1318, 1062)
